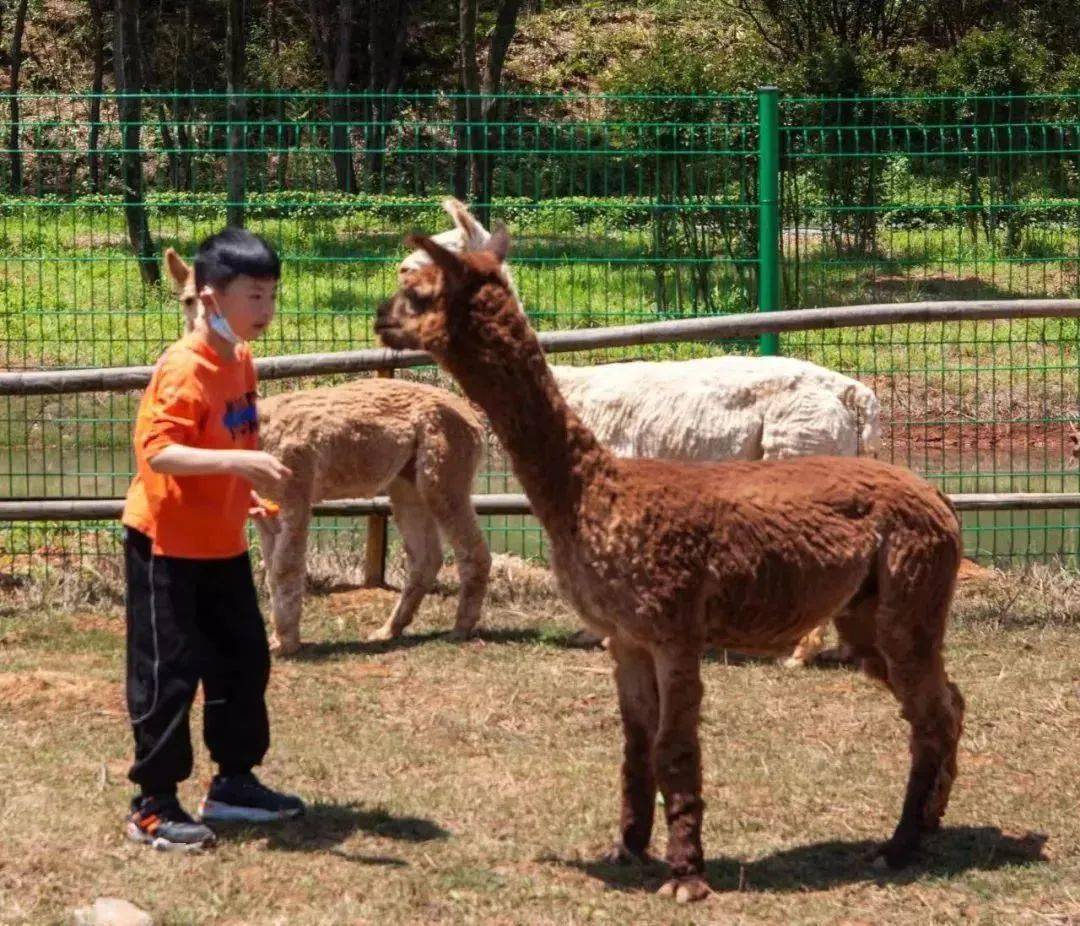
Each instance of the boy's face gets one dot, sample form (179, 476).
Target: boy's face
(247, 304)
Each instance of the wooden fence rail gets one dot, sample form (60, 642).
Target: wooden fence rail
(106, 509)
(121, 379)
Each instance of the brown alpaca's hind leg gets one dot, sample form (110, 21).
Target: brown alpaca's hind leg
(639, 705)
(910, 629)
(677, 765)
(935, 709)
(423, 554)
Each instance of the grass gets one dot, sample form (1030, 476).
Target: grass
(477, 782)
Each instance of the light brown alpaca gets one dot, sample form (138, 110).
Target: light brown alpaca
(420, 444)
(667, 558)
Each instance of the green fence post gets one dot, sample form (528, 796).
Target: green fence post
(768, 211)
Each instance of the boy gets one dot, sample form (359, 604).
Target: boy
(192, 613)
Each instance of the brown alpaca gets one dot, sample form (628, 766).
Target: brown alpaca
(667, 558)
(420, 444)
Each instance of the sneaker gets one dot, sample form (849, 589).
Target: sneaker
(160, 822)
(244, 798)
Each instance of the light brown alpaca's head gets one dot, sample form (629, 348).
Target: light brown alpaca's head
(182, 275)
(1074, 442)
(453, 305)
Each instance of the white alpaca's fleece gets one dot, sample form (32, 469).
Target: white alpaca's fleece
(724, 408)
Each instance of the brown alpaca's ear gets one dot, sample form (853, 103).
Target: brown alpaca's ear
(179, 270)
(476, 236)
(500, 242)
(447, 261)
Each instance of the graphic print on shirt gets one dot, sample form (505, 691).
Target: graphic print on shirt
(241, 417)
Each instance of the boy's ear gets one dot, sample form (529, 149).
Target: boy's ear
(178, 269)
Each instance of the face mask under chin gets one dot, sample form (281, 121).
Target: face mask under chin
(222, 328)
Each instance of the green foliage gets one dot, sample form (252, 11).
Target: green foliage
(997, 61)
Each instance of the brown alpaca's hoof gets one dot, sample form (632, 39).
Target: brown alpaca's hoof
(894, 855)
(283, 648)
(384, 633)
(685, 890)
(461, 634)
(619, 854)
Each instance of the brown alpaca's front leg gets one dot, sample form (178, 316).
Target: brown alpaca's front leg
(639, 705)
(677, 762)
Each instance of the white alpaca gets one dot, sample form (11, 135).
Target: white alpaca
(714, 408)
(724, 408)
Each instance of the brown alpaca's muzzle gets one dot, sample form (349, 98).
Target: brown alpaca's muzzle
(387, 329)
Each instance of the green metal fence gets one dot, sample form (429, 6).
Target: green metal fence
(622, 208)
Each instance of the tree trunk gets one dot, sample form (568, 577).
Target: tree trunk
(470, 86)
(127, 65)
(235, 39)
(501, 37)
(461, 142)
(97, 14)
(169, 144)
(480, 101)
(340, 142)
(181, 104)
(388, 22)
(16, 65)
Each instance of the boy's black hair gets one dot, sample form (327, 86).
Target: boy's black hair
(232, 252)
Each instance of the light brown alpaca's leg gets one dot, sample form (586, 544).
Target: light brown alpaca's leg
(287, 573)
(423, 554)
(639, 705)
(677, 765)
(807, 649)
(471, 556)
(266, 543)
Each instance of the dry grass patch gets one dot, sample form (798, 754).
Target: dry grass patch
(476, 783)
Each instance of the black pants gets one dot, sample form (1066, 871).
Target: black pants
(189, 621)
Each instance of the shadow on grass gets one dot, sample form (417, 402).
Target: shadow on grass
(325, 826)
(333, 649)
(824, 865)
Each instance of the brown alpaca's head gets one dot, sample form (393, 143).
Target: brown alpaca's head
(182, 275)
(452, 303)
(1074, 443)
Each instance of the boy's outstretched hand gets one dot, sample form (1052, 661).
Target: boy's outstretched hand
(263, 470)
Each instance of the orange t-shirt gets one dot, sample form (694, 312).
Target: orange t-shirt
(197, 399)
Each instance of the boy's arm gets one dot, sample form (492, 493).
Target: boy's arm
(177, 416)
(263, 470)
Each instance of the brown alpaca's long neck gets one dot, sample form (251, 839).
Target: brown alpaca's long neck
(554, 456)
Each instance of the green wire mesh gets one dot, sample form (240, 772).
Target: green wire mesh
(622, 209)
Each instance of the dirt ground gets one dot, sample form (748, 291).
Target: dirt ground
(476, 783)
